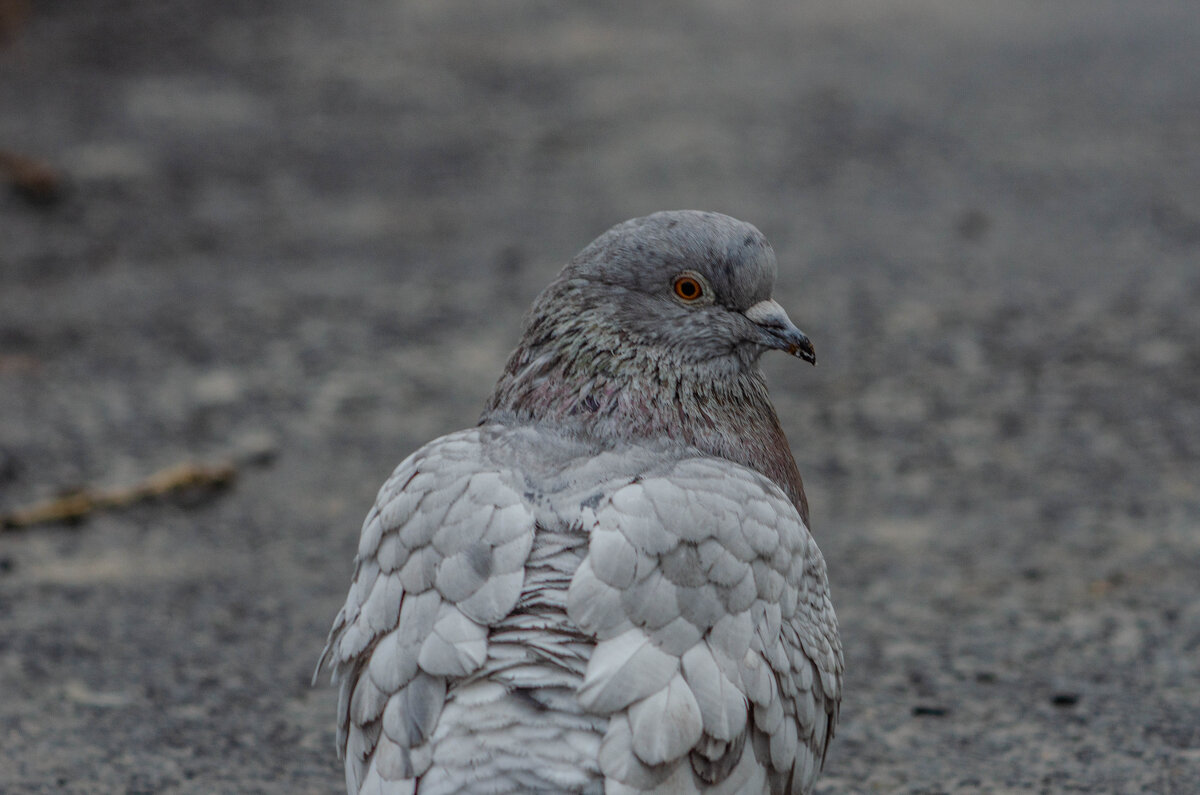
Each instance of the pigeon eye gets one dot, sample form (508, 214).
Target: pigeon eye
(688, 288)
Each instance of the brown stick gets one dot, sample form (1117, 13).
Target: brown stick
(80, 504)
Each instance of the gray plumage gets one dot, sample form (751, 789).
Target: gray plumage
(609, 584)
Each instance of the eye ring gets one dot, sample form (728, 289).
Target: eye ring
(688, 287)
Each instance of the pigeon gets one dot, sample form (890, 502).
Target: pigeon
(607, 585)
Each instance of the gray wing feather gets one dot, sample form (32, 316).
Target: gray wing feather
(710, 603)
(441, 556)
(667, 723)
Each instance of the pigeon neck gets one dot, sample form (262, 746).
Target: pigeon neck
(724, 411)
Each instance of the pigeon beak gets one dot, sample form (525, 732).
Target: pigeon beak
(780, 332)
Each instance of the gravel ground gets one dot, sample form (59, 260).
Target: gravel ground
(311, 228)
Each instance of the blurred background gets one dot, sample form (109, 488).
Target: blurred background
(280, 245)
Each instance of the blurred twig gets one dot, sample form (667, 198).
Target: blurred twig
(256, 449)
(79, 504)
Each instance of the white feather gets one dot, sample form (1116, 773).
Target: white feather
(455, 647)
(722, 706)
(495, 598)
(394, 661)
(612, 557)
(382, 607)
(464, 573)
(652, 602)
(701, 605)
(368, 701)
(618, 761)
(512, 554)
(412, 713)
(783, 746)
(666, 724)
(677, 637)
(595, 606)
(419, 572)
(622, 670)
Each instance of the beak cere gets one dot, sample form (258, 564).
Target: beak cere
(780, 332)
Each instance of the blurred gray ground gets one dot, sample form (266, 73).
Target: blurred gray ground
(320, 223)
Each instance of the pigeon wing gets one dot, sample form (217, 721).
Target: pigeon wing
(441, 558)
(718, 657)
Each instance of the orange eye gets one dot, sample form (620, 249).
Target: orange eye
(688, 288)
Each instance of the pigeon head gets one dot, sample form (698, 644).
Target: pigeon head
(692, 286)
(653, 332)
